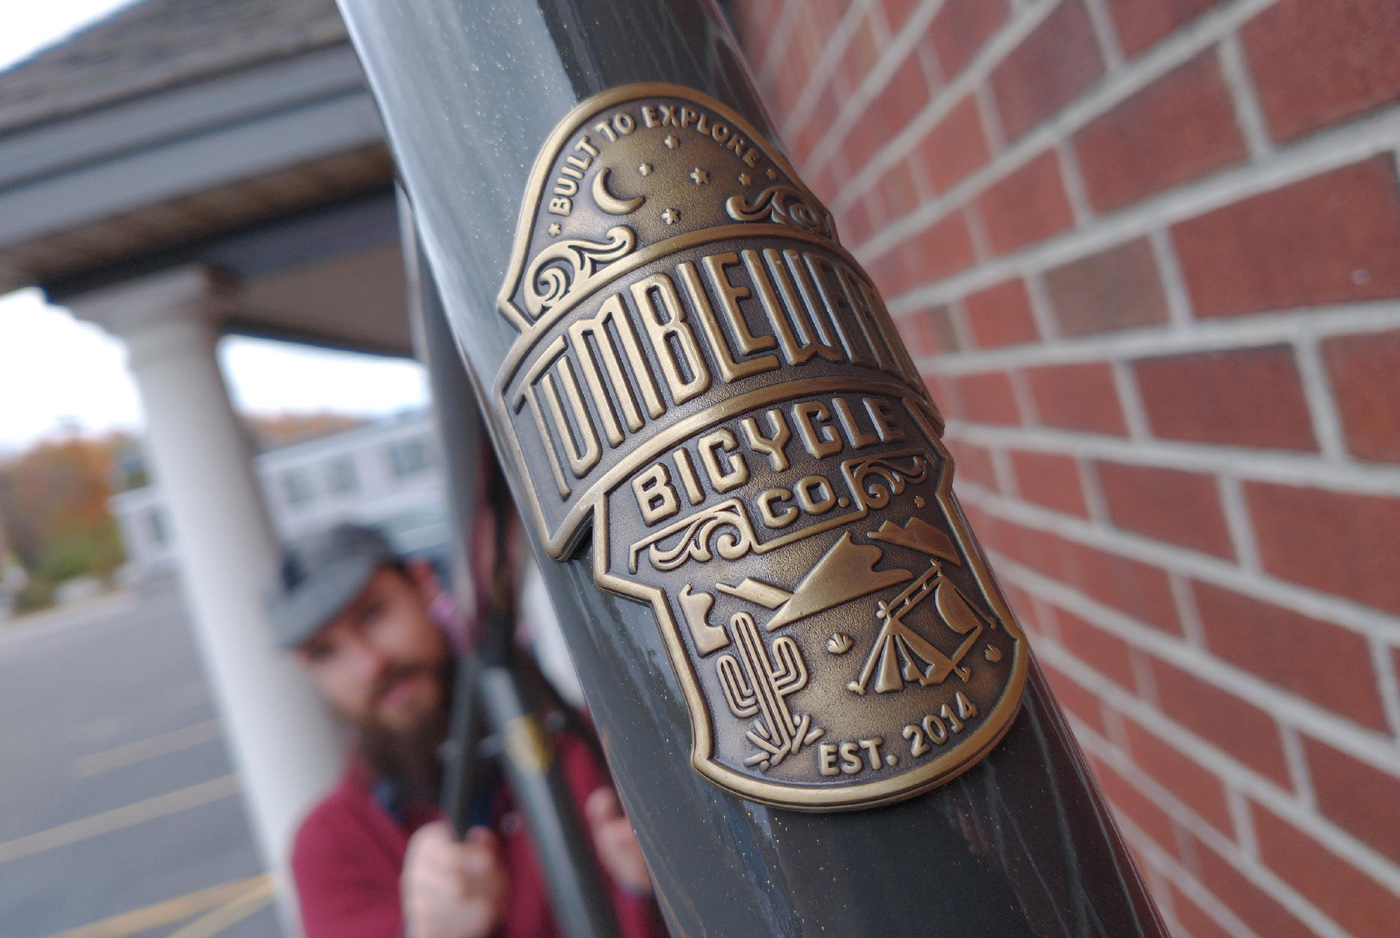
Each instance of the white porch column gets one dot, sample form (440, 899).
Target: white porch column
(282, 741)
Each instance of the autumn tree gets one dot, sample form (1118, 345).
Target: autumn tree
(53, 497)
(53, 504)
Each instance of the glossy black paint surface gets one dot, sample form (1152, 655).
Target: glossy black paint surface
(1021, 845)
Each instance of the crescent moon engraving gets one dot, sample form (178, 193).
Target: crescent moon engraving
(610, 203)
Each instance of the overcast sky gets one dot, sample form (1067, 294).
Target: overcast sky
(26, 25)
(58, 374)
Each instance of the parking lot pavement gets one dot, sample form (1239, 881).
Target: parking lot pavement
(119, 810)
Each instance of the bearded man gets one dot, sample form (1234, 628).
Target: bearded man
(376, 858)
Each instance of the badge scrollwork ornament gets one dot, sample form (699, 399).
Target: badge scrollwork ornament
(708, 394)
(565, 265)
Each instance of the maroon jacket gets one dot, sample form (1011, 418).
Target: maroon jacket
(349, 854)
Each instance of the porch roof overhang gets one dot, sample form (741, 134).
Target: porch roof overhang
(258, 152)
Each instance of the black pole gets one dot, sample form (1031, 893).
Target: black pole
(462, 437)
(1020, 843)
(489, 694)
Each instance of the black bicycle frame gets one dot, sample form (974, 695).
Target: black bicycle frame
(1020, 845)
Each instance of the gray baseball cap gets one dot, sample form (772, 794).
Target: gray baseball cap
(319, 576)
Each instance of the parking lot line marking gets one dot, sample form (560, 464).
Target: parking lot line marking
(253, 900)
(182, 799)
(167, 912)
(143, 749)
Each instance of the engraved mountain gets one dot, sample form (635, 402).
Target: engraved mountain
(708, 385)
(846, 572)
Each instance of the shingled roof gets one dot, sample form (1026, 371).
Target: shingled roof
(157, 44)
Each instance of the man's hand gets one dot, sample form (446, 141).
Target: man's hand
(616, 842)
(451, 889)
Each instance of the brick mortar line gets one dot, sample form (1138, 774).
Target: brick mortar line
(905, 43)
(1122, 760)
(1109, 90)
(1021, 394)
(1005, 475)
(1042, 309)
(1161, 895)
(1319, 398)
(1105, 36)
(1190, 616)
(1383, 660)
(1395, 161)
(961, 325)
(991, 118)
(1237, 804)
(1363, 620)
(1174, 288)
(1113, 721)
(1094, 498)
(1018, 26)
(1161, 912)
(977, 233)
(1298, 773)
(1147, 683)
(783, 31)
(822, 70)
(1134, 411)
(1366, 745)
(1245, 464)
(1172, 870)
(1075, 188)
(1317, 828)
(1203, 335)
(973, 80)
(1045, 618)
(1260, 875)
(1340, 145)
(1243, 98)
(1154, 791)
(1238, 524)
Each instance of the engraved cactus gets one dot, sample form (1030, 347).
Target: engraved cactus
(759, 682)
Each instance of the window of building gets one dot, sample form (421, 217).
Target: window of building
(340, 476)
(408, 457)
(297, 485)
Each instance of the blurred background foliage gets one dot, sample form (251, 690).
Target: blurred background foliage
(54, 517)
(53, 506)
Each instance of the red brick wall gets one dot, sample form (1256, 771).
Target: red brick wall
(1147, 254)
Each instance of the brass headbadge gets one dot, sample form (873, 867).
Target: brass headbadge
(709, 381)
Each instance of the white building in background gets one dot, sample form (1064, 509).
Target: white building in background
(386, 473)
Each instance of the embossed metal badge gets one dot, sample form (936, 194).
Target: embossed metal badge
(708, 381)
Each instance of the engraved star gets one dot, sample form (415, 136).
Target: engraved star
(644, 169)
(671, 142)
(772, 173)
(670, 216)
(554, 229)
(700, 176)
(744, 179)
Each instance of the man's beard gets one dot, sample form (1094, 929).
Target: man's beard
(409, 758)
